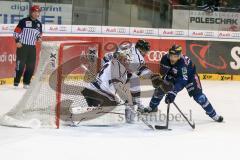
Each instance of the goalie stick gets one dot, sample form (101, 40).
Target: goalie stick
(125, 103)
(139, 114)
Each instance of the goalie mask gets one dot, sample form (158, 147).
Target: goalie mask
(123, 57)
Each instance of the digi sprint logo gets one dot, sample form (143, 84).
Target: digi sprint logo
(93, 103)
(51, 13)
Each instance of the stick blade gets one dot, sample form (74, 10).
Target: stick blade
(161, 127)
(151, 127)
(193, 125)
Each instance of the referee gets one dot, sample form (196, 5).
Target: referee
(27, 32)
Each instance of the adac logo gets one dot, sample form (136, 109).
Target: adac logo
(201, 56)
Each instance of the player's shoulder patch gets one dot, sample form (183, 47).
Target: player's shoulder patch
(186, 59)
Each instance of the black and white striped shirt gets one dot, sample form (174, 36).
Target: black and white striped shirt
(28, 31)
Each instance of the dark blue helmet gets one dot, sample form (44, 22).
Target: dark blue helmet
(143, 45)
(175, 50)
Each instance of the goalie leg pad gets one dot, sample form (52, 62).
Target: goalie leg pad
(130, 114)
(95, 99)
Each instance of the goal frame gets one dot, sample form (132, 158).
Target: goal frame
(59, 73)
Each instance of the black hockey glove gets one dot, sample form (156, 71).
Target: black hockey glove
(156, 80)
(170, 97)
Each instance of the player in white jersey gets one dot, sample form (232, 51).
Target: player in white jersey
(137, 66)
(108, 89)
(111, 74)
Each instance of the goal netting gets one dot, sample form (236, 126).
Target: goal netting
(57, 86)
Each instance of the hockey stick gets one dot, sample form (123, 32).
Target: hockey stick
(135, 112)
(166, 127)
(139, 114)
(191, 124)
(167, 121)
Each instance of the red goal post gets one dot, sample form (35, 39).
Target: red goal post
(59, 72)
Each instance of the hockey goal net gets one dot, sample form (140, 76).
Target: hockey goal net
(57, 86)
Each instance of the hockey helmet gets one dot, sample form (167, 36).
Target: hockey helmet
(143, 45)
(175, 50)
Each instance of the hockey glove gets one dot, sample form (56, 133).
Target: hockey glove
(156, 80)
(170, 97)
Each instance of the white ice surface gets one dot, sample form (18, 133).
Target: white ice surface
(209, 140)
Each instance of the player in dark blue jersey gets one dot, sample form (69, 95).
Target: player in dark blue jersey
(181, 72)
